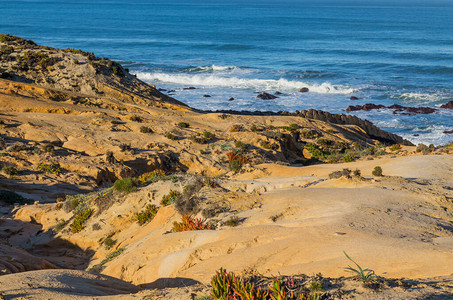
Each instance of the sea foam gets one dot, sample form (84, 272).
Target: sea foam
(244, 83)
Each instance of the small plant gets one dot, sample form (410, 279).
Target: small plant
(377, 171)
(151, 175)
(125, 147)
(338, 174)
(75, 61)
(109, 242)
(266, 145)
(171, 136)
(232, 222)
(230, 286)
(10, 170)
(98, 268)
(395, 147)
(188, 223)
(208, 135)
(147, 215)
(49, 168)
(240, 146)
(135, 118)
(235, 128)
(236, 161)
(127, 185)
(79, 220)
(357, 173)
(145, 129)
(363, 274)
(170, 198)
(253, 128)
(59, 226)
(315, 286)
(183, 125)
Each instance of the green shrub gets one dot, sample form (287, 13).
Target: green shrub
(208, 135)
(127, 185)
(135, 118)
(79, 220)
(183, 125)
(125, 147)
(151, 175)
(377, 171)
(395, 147)
(171, 136)
(144, 129)
(170, 198)
(253, 128)
(147, 215)
(109, 242)
(49, 168)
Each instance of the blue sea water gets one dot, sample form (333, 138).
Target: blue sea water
(382, 52)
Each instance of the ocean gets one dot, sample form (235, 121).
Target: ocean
(382, 52)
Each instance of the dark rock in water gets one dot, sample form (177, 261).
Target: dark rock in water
(231, 99)
(266, 96)
(354, 98)
(162, 90)
(366, 107)
(448, 105)
(421, 110)
(416, 134)
(448, 131)
(397, 108)
(171, 91)
(189, 88)
(304, 90)
(277, 93)
(206, 96)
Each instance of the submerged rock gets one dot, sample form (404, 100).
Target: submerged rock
(266, 96)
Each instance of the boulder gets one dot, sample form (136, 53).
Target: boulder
(304, 90)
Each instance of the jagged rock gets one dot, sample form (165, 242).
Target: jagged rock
(396, 107)
(448, 105)
(372, 131)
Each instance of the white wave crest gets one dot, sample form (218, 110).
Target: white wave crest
(422, 98)
(243, 83)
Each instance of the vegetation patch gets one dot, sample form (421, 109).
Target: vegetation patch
(147, 215)
(236, 161)
(126, 185)
(80, 219)
(151, 175)
(183, 125)
(49, 168)
(170, 198)
(377, 171)
(188, 223)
